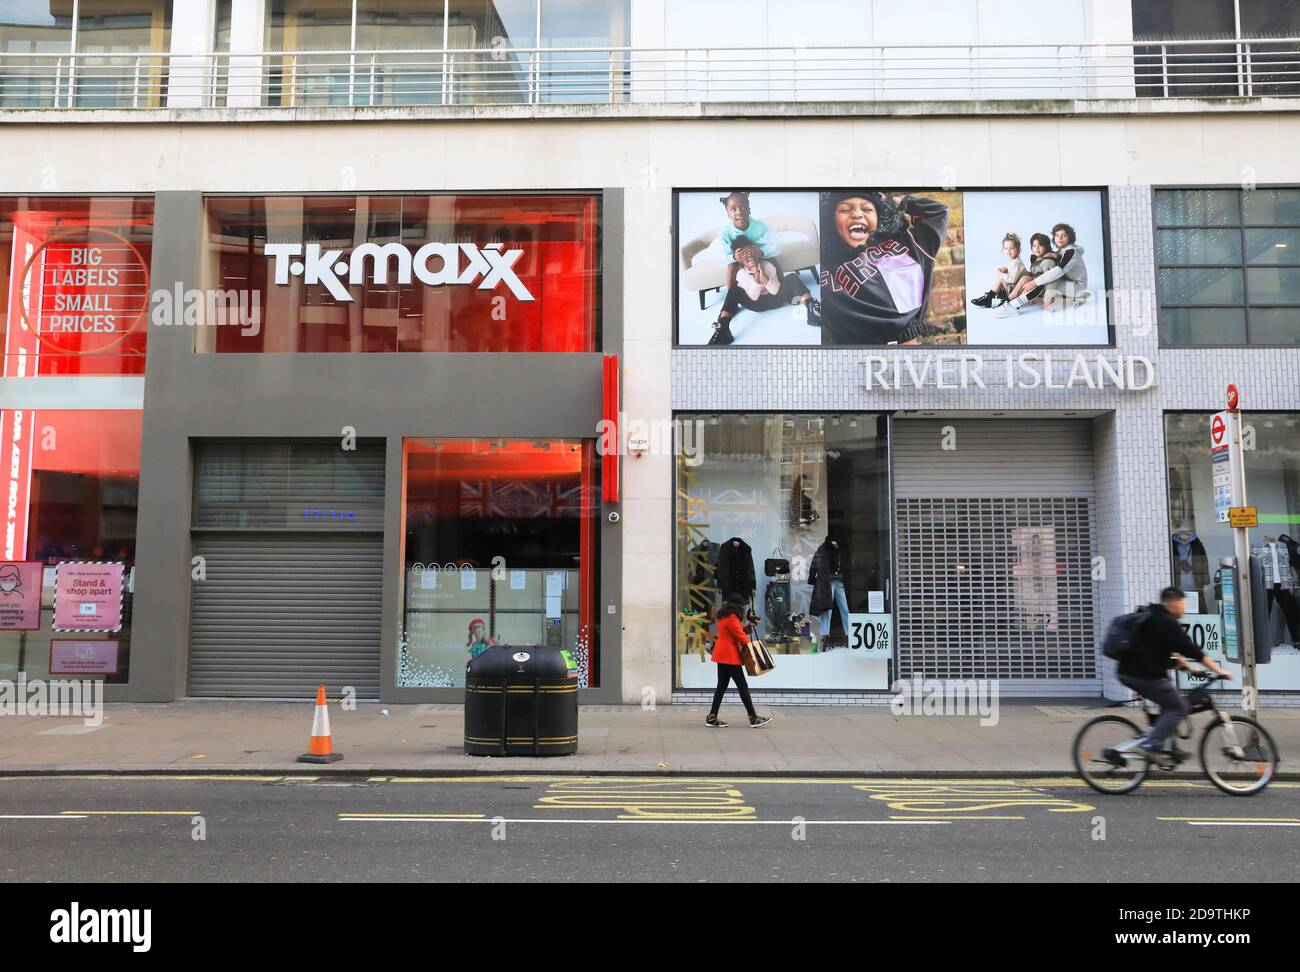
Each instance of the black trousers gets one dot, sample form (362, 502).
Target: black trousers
(1285, 598)
(791, 287)
(732, 673)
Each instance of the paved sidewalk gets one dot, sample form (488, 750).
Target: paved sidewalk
(205, 736)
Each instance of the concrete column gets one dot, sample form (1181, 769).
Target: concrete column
(191, 75)
(648, 479)
(247, 41)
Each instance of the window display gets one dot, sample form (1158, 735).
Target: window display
(500, 548)
(789, 512)
(1198, 541)
(75, 274)
(67, 554)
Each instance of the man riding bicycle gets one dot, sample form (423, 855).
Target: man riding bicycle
(1160, 644)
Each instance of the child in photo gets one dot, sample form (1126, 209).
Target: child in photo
(878, 254)
(1007, 276)
(741, 223)
(760, 285)
(1067, 279)
(1042, 259)
(478, 641)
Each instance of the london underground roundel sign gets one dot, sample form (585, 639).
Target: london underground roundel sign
(1218, 431)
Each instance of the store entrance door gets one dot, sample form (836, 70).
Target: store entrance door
(994, 546)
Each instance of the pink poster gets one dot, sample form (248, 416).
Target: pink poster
(70, 656)
(20, 595)
(88, 596)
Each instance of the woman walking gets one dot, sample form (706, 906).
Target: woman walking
(726, 654)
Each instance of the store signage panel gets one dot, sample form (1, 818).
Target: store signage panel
(83, 657)
(969, 369)
(88, 596)
(872, 634)
(871, 267)
(20, 596)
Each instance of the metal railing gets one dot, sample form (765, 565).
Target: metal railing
(558, 75)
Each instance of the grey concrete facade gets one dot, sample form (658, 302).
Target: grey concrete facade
(192, 396)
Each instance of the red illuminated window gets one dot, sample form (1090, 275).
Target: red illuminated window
(442, 273)
(76, 283)
(74, 485)
(500, 546)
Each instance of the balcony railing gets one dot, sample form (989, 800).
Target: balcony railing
(558, 75)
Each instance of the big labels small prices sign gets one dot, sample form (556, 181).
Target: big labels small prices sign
(872, 634)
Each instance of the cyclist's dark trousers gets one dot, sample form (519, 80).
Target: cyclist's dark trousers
(732, 673)
(1165, 694)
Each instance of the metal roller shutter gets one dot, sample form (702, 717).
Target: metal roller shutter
(994, 553)
(279, 614)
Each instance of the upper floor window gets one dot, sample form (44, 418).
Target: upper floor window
(127, 38)
(75, 272)
(1228, 266)
(399, 273)
(1255, 58)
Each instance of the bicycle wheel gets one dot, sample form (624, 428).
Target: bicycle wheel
(1102, 765)
(1241, 762)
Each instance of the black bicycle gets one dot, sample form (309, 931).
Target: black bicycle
(1237, 754)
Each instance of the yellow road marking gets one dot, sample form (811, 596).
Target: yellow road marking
(623, 821)
(40, 816)
(649, 799)
(422, 816)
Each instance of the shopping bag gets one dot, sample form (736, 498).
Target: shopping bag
(756, 658)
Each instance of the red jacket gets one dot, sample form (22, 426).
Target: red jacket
(731, 638)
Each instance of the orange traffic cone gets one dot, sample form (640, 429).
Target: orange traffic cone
(320, 750)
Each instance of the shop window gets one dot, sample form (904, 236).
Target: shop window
(1198, 540)
(441, 273)
(76, 284)
(67, 554)
(789, 511)
(500, 548)
(1228, 266)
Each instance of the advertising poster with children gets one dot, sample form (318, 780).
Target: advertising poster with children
(860, 267)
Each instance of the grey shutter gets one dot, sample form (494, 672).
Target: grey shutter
(270, 483)
(972, 601)
(279, 614)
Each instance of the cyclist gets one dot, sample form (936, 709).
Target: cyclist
(1145, 669)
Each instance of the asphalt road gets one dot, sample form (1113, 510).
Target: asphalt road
(637, 829)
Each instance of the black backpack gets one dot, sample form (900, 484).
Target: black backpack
(1121, 636)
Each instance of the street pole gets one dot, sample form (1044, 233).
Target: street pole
(1241, 544)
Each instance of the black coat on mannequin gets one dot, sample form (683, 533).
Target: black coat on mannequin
(736, 569)
(828, 563)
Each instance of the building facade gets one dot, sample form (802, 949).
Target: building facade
(309, 309)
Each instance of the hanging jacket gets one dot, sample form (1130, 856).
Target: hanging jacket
(736, 569)
(827, 565)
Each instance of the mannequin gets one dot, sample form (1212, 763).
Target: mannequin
(1280, 579)
(827, 578)
(702, 562)
(1191, 564)
(736, 569)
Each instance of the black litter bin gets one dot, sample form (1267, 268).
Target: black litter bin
(521, 700)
